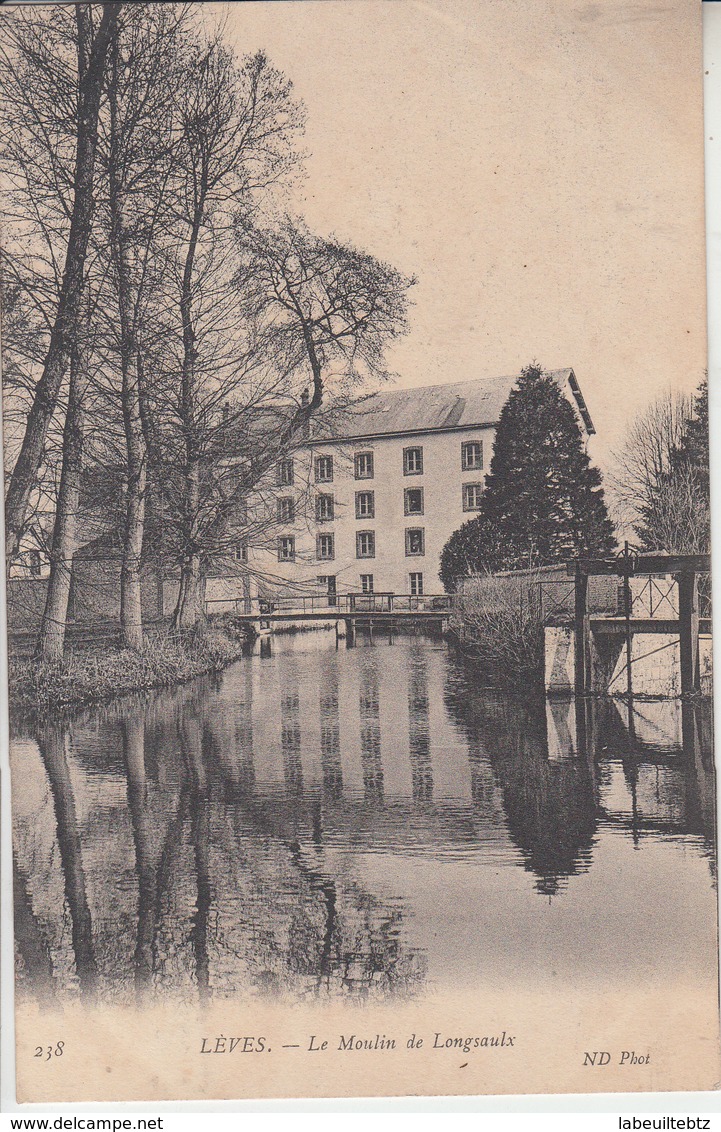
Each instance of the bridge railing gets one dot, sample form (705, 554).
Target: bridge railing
(298, 605)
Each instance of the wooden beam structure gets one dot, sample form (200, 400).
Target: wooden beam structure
(582, 643)
(689, 628)
(615, 626)
(684, 567)
(631, 565)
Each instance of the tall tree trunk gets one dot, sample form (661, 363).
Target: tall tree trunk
(131, 615)
(51, 642)
(187, 610)
(92, 53)
(131, 612)
(190, 608)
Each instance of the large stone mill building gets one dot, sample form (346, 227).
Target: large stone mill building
(370, 508)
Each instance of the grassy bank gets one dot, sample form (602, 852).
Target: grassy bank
(99, 674)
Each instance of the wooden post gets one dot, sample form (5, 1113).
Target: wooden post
(581, 633)
(688, 631)
(627, 606)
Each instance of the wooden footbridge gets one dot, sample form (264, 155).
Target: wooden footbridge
(388, 609)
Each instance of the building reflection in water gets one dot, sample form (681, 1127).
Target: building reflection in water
(370, 728)
(419, 731)
(330, 731)
(290, 730)
(260, 833)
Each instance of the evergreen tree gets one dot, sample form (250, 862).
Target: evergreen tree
(543, 501)
(693, 451)
(675, 515)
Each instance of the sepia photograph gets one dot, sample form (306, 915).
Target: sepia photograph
(355, 419)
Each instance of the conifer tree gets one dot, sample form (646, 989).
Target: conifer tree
(674, 514)
(543, 501)
(693, 451)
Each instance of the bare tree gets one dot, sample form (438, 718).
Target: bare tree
(36, 89)
(138, 153)
(679, 519)
(238, 130)
(658, 492)
(214, 340)
(51, 642)
(316, 317)
(328, 310)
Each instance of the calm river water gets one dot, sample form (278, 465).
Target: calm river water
(359, 822)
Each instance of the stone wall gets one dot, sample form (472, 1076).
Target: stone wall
(655, 664)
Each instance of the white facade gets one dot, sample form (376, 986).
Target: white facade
(382, 520)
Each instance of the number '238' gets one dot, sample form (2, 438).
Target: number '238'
(49, 1051)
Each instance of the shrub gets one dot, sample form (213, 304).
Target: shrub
(500, 620)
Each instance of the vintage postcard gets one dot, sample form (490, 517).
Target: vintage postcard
(355, 422)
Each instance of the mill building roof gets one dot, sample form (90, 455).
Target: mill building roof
(432, 408)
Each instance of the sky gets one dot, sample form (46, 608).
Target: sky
(537, 165)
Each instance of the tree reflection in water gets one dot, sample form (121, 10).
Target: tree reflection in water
(291, 828)
(554, 806)
(233, 892)
(51, 741)
(549, 806)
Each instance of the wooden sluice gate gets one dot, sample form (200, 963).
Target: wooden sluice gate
(671, 617)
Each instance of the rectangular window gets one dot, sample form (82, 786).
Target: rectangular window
(366, 583)
(365, 505)
(286, 548)
(471, 455)
(364, 465)
(324, 547)
(324, 508)
(365, 544)
(413, 501)
(284, 472)
(416, 580)
(472, 496)
(240, 553)
(286, 510)
(412, 461)
(324, 469)
(415, 541)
